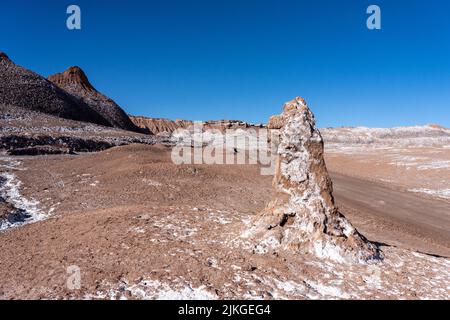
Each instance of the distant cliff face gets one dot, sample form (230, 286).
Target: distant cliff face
(159, 126)
(23, 88)
(166, 126)
(75, 81)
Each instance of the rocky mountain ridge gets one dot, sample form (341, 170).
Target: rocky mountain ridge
(23, 88)
(75, 81)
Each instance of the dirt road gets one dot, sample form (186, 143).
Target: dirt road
(407, 220)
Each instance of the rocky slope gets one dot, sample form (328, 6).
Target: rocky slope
(75, 81)
(26, 132)
(23, 88)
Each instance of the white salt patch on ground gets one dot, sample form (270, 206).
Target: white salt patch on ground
(442, 193)
(10, 164)
(289, 288)
(94, 184)
(222, 220)
(267, 244)
(407, 161)
(187, 293)
(188, 232)
(138, 230)
(155, 290)
(151, 183)
(328, 251)
(10, 191)
(327, 291)
(435, 165)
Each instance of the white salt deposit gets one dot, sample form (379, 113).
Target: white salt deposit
(10, 192)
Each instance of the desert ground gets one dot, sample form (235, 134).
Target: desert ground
(138, 226)
(394, 202)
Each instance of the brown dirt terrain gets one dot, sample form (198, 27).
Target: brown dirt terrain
(392, 189)
(138, 226)
(396, 217)
(423, 170)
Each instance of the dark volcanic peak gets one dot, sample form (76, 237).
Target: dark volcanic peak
(23, 88)
(75, 81)
(72, 76)
(4, 57)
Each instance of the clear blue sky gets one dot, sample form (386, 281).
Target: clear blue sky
(241, 59)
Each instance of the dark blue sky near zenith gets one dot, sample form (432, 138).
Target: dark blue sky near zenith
(216, 59)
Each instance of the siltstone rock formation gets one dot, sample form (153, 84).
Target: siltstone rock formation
(303, 216)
